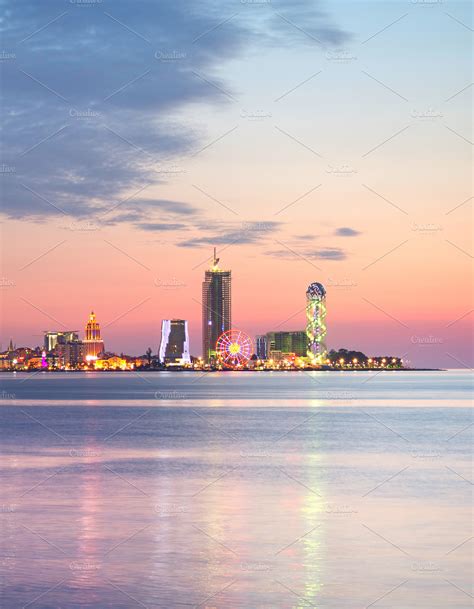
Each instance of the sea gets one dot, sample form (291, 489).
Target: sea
(236, 490)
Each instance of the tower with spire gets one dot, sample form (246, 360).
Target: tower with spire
(94, 345)
(216, 307)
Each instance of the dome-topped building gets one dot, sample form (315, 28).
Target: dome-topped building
(316, 290)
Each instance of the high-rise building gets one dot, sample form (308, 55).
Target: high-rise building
(93, 343)
(261, 346)
(53, 338)
(287, 341)
(316, 323)
(174, 346)
(216, 308)
(70, 354)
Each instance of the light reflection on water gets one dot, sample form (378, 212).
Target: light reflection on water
(206, 503)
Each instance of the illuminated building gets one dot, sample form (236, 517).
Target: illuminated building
(289, 341)
(112, 363)
(276, 357)
(37, 363)
(71, 354)
(174, 346)
(52, 339)
(261, 346)
(93, 343)
(216, 308)
(316, 323)
(5, 361)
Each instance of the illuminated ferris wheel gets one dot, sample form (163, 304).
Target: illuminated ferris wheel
(234, 349)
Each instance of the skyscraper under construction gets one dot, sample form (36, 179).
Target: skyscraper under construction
(216, 308)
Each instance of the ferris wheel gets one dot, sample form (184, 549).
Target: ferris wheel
(234, 349)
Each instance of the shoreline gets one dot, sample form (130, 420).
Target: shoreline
(187, 370)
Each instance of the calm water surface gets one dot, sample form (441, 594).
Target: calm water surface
(236, 491)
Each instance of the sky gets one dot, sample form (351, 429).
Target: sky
(306, 140)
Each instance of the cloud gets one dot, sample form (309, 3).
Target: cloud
(229, 239)
(327, 253)
(90, 89)
(148, 206)
(245, 233)
(345, 231)
(305, 237)
(300, 21)
(160, 226)
(141, 211)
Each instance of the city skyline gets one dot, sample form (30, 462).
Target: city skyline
(223, 346)
(219, 294)
(216, 322)
(301, 143)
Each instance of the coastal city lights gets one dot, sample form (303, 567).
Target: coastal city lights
(234, 349)
(223, 347)
(316, 323)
